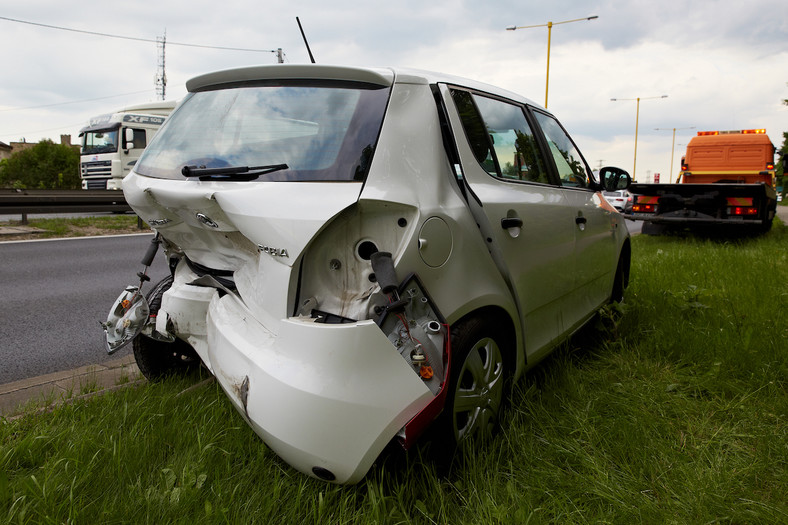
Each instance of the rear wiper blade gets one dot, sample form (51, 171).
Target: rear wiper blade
(244, 173)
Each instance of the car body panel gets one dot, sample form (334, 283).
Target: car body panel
(334, 405)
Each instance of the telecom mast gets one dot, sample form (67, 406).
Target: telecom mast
(161, 75)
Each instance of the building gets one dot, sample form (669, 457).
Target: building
(6, 150)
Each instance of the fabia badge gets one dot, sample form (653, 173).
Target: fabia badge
(207, 220)
(274, 252)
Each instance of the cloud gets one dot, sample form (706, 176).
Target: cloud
(720, 62)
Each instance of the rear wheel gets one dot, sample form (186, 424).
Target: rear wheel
(477, 384)
(157, 359)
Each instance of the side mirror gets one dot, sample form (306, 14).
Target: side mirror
(613, 179)
(128, 138)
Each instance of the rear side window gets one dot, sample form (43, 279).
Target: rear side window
(319, 132)
(501, 139)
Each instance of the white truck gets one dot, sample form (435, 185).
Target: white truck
(112, 143)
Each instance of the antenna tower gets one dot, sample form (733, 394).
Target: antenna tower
(161, 75)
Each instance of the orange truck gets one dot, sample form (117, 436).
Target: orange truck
(727, 180)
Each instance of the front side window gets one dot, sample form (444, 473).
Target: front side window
(572, 169)
(139, 141)
(501, 138)
(311, 133)
(100, 141)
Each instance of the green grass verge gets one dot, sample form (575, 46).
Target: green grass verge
(83, 226)
(674, 413)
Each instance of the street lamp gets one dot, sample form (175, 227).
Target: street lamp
(549, 26)
(672, 147)
(637, 119)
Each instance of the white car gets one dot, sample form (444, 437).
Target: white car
(621, 200)
(360, 254)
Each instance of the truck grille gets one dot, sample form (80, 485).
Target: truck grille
(100, 168)
(96, 184)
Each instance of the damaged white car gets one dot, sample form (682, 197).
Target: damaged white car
(360, 254)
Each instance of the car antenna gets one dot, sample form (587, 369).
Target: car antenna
(305, 42)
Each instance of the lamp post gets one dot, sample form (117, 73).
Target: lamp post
(637, 119)
(549, 26)
(672, 147)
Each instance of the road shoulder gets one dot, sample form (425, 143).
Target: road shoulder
(46, 391)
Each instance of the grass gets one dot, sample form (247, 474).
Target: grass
(675, 412)
(78, 226)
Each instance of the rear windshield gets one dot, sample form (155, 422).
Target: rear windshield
(320, 133)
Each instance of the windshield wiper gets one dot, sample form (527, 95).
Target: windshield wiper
(233, 173)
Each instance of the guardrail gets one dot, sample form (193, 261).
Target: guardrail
(30, 202)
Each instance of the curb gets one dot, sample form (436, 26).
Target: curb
(19, 230)
(43, 392)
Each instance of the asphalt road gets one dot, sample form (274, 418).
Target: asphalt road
(54, 293)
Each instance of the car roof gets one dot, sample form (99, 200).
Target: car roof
(382, 76)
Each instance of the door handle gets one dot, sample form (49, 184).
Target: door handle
(580, 220)
(511, 222)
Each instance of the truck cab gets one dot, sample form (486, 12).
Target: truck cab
(112, 143)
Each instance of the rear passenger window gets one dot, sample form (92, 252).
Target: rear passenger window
(500, 137)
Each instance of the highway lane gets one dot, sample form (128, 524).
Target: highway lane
(54, 293)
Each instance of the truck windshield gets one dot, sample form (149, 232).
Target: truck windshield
(100, 141)
(317, 132)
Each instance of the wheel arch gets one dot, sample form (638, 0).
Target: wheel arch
(513, 354)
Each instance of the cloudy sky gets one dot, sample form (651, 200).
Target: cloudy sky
(722, 63)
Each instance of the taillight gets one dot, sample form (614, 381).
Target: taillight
(770, 166)
(684, 167)
(644, 208)
(742, 211)
(646, 204)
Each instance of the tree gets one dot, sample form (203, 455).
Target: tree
(44, 166)
(781, 165)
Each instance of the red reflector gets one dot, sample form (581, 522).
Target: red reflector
(643, 208)
(739, 201)
(647, 199)
(741, 210)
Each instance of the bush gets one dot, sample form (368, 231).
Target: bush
(44, 166)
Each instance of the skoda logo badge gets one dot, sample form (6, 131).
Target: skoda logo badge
(207, 220)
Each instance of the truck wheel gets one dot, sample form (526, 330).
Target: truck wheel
(649, 228)
(477, 384)
(158, 359)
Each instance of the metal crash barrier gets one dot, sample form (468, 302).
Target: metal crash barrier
(31, 202)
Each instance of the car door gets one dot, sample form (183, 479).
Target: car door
(595, 239)
(521, 210)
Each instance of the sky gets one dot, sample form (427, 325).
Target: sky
(723, 64)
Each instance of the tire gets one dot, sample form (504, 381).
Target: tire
(477, 386)
(159, 359)
(649, 228)
(621, 279)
